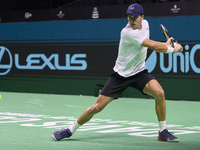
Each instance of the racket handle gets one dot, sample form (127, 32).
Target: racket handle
(173, 45)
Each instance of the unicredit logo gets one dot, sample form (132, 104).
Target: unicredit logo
(186, 60)
(5, 60)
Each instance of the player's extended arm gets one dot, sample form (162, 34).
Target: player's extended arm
(162, 47)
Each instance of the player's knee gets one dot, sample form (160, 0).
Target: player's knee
(160, 93)
(96, 108)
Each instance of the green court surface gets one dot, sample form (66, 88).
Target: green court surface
(27, 122)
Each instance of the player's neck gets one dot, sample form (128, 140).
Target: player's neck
(140, 27)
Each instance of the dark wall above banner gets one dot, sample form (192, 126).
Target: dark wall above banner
(184, 8)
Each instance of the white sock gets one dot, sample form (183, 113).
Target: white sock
(162, 125)
(74, 127)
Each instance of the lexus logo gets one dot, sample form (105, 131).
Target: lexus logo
(5, 60)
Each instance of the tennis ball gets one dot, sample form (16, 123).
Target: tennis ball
(0, 96)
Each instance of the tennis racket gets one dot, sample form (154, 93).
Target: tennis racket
(166, 33)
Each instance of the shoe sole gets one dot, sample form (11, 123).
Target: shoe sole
(167, 140)
(175, 140)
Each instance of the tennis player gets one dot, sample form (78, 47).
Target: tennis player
(129, 71)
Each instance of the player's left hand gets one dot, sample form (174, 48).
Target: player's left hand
(178, 48)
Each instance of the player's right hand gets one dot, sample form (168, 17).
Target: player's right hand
(169, 42)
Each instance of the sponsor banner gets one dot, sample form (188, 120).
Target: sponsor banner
(58, 59)
(185, 63)
(100, 12)
(89, 59)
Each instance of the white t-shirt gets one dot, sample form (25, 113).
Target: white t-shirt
(131, 55)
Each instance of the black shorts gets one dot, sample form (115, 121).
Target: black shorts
(116, 84)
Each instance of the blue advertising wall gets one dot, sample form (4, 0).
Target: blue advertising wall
(71, 57)
(184, 28)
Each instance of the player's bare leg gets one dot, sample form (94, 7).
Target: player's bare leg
(154, 89)
(98, 106)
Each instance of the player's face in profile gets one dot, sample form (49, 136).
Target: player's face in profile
(135, 21)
